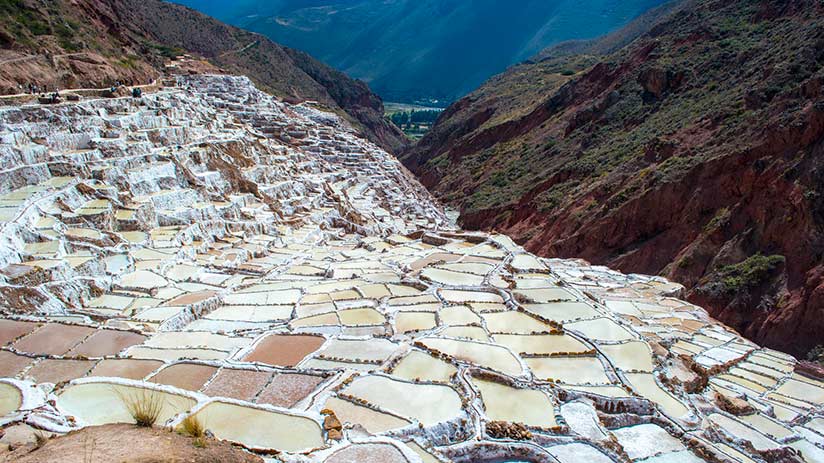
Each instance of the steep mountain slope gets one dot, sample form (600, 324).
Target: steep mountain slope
(95, 42)
(695, 152)
(424, 49)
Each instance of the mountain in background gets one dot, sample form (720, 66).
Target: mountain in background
(93, 43)
(424, 50)
(695, 151)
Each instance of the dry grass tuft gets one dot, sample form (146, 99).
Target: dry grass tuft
(144, 406)
(191, 426)
(40, 439)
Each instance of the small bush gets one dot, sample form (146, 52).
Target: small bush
(144, 406)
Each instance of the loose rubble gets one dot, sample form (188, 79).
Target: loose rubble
(261, 267)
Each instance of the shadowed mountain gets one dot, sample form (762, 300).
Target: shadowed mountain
(424, 49)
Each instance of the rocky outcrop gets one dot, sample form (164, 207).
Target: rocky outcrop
(695, 152)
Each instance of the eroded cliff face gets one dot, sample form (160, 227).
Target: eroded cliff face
(94, 43)
(695, 152)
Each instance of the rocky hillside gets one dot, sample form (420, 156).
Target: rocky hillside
(694, 152)
(93, 43)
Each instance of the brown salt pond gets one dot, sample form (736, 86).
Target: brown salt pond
(57, 371)
(287, 389)
(107, 342)
(11, 364)
(126, 368)
(284, 350)
(53, 339)
(11, 330)
(189, 376)
(237, 384)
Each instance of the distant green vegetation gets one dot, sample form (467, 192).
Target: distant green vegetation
(749, 273)
(414, 122)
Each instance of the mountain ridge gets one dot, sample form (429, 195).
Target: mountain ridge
(424, 50)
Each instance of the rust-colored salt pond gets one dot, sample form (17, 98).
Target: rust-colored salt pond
(53, 339)
(107, 342)
(189, 376)
(11, 330)
(237, 384)
(287, 389)
(57, 371)
(11, 363)
(284, 350)
(191, 298)
(126, 368)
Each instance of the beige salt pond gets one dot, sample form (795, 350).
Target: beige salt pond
(741, 431)
(562, 311)
(482, 354)
(569, 370)
(102, 403)
(373, 421)
(475, 268)
(527, 406)
(458, 315)
(541, 343)
(476, 333)
(645, 385)
(526, 263)
(428, 403)
(545, 295)
(633, 355)
(183, 339)
(450, 278)
(282, 297)
(252, 313)
(142, 280)
(370, 350)
(514, 323)
(601, 329)
(419, 365)
(406, 322)
(462, 297)
(10, 399)
(358, 317)
(260, 428)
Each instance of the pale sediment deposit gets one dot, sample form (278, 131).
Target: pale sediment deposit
(262, 268)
